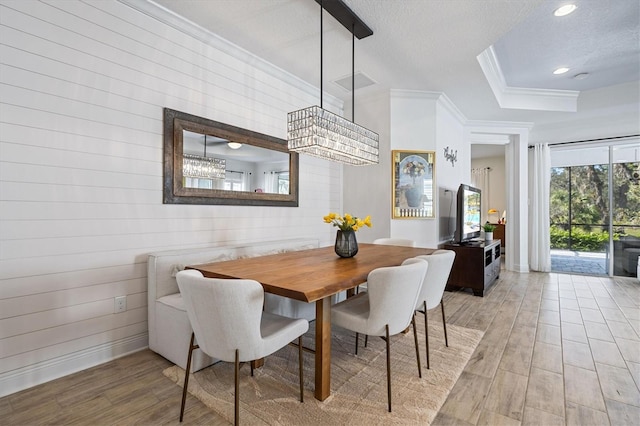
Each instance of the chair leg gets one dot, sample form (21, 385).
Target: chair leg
(300, 368)
(357, 338)
(366, 340)
(237, 390)
(444, 324)
(186, 376)
(426, 332)
(415, 338)
(388, 368)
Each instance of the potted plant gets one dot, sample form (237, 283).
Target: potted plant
(488, 231)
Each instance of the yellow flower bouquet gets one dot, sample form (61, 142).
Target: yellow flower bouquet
(347, 222)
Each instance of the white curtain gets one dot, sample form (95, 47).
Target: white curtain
(271, 182)
(246, 181)
(480, 179)
(539, 188)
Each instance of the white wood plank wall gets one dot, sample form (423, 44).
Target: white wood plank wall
(82, 87)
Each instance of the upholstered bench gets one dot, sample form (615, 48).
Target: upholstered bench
(169, 328)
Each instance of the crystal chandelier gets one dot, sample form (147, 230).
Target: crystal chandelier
(195, 166)
(321, 133)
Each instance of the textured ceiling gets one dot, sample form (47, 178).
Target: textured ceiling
(432, 45)
(600, 38)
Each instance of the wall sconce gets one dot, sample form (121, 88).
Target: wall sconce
(451, 155)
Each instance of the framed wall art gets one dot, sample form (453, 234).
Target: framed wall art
(413, 184)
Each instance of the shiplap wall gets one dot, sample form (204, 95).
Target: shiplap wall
(82, 87)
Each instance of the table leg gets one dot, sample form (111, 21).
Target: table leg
(323, 348)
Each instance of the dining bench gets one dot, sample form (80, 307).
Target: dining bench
(169, 327)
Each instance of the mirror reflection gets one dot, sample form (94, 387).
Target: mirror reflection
(210, 162)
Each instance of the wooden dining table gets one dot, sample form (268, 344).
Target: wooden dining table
(313, 276)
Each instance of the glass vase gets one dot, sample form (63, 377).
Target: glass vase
(346, 244)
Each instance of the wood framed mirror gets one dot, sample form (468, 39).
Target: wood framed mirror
(208, 162)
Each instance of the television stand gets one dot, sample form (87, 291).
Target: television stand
(476, 266)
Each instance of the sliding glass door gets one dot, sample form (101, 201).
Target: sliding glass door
(626, 208)
(579, 211)
(594, 209)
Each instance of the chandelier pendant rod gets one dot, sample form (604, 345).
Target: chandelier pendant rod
(353, 73)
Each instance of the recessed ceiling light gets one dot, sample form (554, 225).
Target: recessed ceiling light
(565, 10)
(581, 76)
(561, 70)
(234, 145)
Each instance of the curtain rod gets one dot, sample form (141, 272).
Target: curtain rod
(591, 140)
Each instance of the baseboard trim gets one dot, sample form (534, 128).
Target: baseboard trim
(51, 369)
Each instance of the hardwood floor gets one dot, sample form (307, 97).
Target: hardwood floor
(558, 349)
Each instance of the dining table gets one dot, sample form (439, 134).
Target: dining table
(313, 276)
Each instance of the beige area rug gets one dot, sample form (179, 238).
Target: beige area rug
(358, 383)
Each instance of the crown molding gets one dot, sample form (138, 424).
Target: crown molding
(440, 97)
(478, 125)
(522, 97)
(172, 19)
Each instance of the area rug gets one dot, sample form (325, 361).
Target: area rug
(358, 382)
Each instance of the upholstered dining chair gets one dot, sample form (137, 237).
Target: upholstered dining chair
(435, 280)
(229, 324)
(388, 242)
(386, 309)
(395, 242)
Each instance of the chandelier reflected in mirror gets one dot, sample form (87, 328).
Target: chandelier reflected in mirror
(321, 133)
(194, 166)
(203, 167)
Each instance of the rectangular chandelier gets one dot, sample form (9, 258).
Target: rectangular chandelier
(321, 133)
(194, 166)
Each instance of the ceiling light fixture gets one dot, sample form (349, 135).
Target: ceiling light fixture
(561, 70)
(581, 76)
(234, 145)
(321, 133)
(194, 166)
(565, 10)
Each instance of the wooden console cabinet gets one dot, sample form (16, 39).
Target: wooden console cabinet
(477, 266)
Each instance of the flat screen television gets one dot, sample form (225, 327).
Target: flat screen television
(467, 214)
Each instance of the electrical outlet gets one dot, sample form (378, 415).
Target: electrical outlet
(120, 304)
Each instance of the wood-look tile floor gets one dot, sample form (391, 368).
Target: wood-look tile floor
(558, 349)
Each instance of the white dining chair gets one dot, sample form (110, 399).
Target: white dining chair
(395, 242)
(388, 242)
(386, 309)
(435, 281)
(229, 324)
